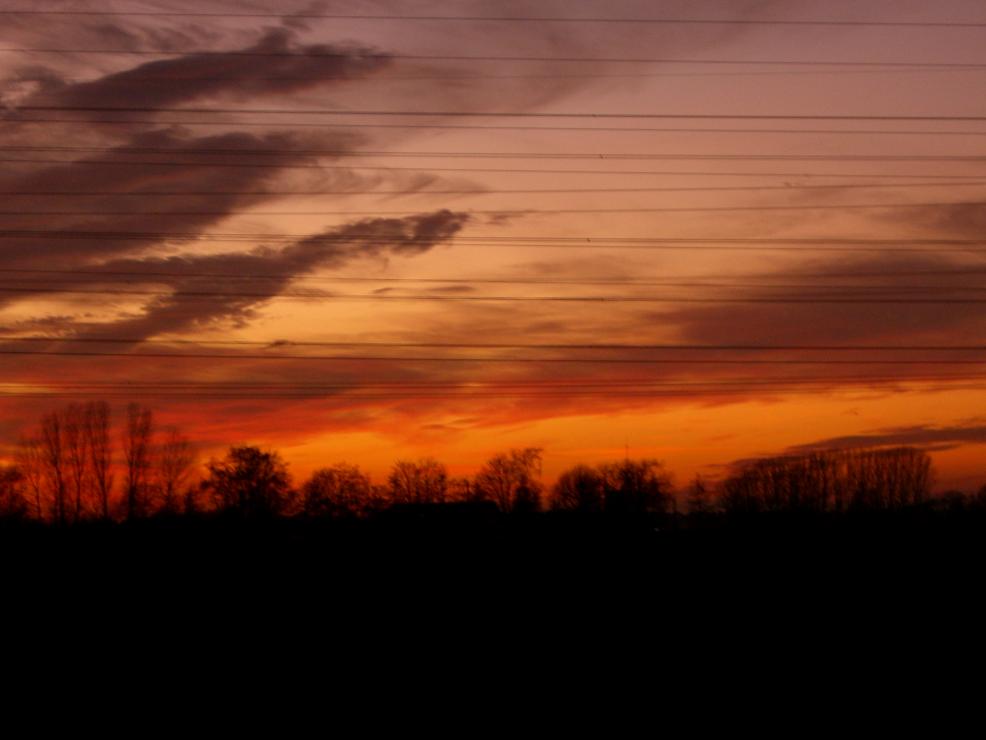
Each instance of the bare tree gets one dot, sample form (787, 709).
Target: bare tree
(76, 456)
(175, 460)
(137, 453)
(30, 461)
(636, 487)
(578, 489)
(97, 425)
(339, 491)
(460, 490)
(250, 483)
(421, 482)
(13, 504)
(699, 499)
(511, 480)
(53, 457)
(831, 480)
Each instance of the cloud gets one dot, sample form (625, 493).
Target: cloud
(888, 276)
(214, 192)
(286, 67)
(964, 220)
(935, 438)
(196, 301)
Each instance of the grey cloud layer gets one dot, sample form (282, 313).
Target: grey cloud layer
(214, 192)
(836, 323)
(290, 67)
(191, 274)
(933, 437)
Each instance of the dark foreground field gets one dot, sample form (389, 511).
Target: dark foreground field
(633, 590)
(468, 547)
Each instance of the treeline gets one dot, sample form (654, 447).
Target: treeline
(76, 467)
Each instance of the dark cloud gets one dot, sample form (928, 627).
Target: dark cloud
(964, 220)
(199, 295)
(892, 276)
(103, 236)
(935, 438)
(286, 67)
(214, 192)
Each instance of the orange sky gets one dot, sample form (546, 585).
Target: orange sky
(776, 269)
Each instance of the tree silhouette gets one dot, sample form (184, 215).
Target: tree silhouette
(76, 456)
(339, 491)
(13, 502)
(137, 453)
(249, 483)
(53, 463)
(97, 427)
(699, 497)
(174, 465)
(830, 481)
(30, 461)
(511, 480)
(636, 487)
(421, 482)
(578, 489)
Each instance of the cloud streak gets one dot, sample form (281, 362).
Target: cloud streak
(935, 438)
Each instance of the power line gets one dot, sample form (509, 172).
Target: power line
(359, 297)
(387, 56)
(522, 240)
(376, 154)
(677, 347)
(475, 192)
(521, 210)
(502, 395)
(696, 281)
(501, 114)
(157, 76)
(962, 246)
(508, 170)
(495, 359)
(445, 396)
(485, 384)
(518, 210)
(629, 382)
(480, 127)
(507, 19)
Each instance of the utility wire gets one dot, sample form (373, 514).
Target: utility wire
(474, 192)
(632, 382)
(388, 56)
(521, 210)
(155, 76)
(706, 280)
(509, 170)
(360, 297)
(503, 19)
(494, 359)
(501, 395)
(608, 347)
(480, 127)
(503, 114)
(348, 237)
(446, 396)
(376, 154)
(934, 246)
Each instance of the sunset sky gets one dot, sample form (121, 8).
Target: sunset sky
(350, 233)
